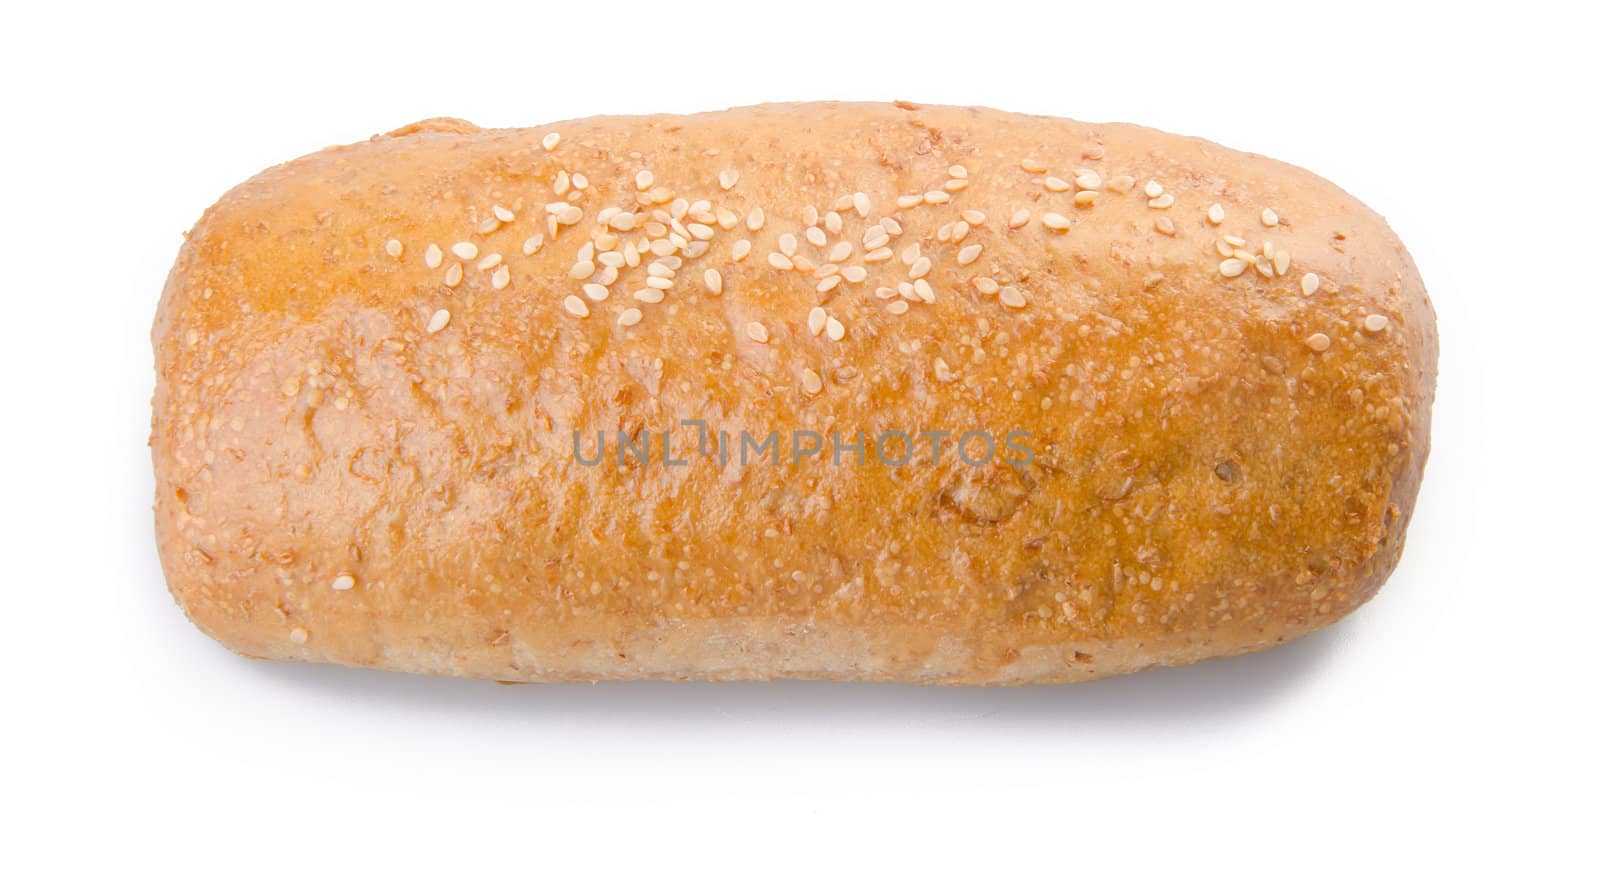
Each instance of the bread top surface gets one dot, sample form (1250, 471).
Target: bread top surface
(1221, 449)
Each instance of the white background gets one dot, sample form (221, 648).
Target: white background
(1443, 732)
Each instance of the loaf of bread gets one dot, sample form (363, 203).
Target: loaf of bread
(837, 391)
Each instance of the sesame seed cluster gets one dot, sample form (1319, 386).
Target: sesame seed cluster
(372, 361)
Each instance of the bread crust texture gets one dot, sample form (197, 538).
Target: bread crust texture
(395, 380)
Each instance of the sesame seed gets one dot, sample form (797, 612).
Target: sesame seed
(465, 251)
(1165, 226)
(575, 306)
(1055, 221)
(974, 217)
(595, 292)
(700, 231)
(816, 237)
(433, 256)
(787, 244)
(1012, 297)
(1232, 267)
(1034, 166)
(713, 279)
(1018, 219)
(395, 248)
(1280, 262)
(882, 253)
(1057, 185)
(1310, 283)
(532, 244)
(562, 183)
(910, 254)
(956, 184)
(581, 270)
(780, 261)
(439, 320)
(489, 225)
(1215, 214)
(840, 252)
(299, 636)
(643, 179)
(741, 248)
(1153, 189)
(898, 307)
(501, 278)
(890, 225)
(1120, 184)
(986, 285)
(756, 332)
(489, 261)
(1233, 240)
(727, 178)
(550, 140)
(969, 254)
(907, 201)
(1376, 323)
(453, 275)
(503, 214)
(1269, 218)
(661, 283)
(923, 291)
(959, 231)
(1318, 342)
(920, 267)
(816, 319)
(1161, 202)
(854, 273)
(649, 295)
(833, 222)
(828, 283)
(957, 171)
(344, 582)
(834, 329)
(756, 219)
(862, 203)
(580, 181)
(907, 291)
(1088, 179)
(629, 317)
(810, 381)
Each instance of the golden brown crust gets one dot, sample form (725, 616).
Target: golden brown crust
(1222, 463)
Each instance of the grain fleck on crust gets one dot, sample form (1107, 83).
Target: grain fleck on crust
(372, 362)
